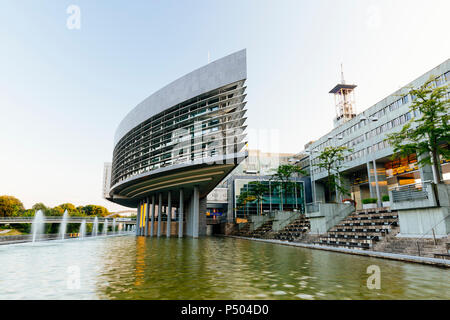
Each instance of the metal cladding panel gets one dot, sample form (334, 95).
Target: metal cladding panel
(216, 74)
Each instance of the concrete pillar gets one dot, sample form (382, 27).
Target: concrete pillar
(159, 214)
(152, 217)
(230, 200)
(195, 212)
(202, 217)
(169, 214)
(369, 178)
(377, 186)
(180, 215)
(146, 216)
(138, 218)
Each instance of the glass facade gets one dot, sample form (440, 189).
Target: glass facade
(211, 124)
(289, 198)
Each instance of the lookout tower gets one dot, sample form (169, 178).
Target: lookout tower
(344, 100)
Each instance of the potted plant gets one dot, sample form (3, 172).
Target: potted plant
(386, 202)
(369, 203)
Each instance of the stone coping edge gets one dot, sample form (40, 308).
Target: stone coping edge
(376, 254)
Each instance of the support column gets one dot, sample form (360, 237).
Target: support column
(138, 218)
(195, 211)
(369, 178)
(152, 217)
(180, 215)
(146, 217)
(159, 214)
(377, 187)
(169, 214)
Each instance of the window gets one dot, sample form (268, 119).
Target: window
(447, 76)
(405, 99)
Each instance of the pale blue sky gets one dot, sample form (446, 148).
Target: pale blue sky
(63, 92)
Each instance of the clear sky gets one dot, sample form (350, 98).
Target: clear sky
(64, 91)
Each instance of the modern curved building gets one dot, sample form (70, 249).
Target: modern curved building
(174, 147)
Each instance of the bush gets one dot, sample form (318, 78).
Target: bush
(385, 198)
(369, 200)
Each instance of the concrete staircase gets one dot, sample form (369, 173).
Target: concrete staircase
(431, 248)
(361, 229)
(262, 232)
(242, 232)
(294, 230)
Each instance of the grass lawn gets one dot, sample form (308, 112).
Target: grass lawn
(11, 232)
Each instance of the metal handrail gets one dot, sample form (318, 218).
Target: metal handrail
(60, 217)
(284, 220)
(432, 229)
(390, 224)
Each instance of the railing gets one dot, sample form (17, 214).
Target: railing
(69, 219)
(387, 231)
(409, 193)
(282, 222)
(432, 231)
(217, 220)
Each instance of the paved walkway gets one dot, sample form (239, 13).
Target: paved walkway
(376, 254)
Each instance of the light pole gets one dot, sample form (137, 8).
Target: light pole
(375, 171)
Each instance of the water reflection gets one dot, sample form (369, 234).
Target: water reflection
(211, 268)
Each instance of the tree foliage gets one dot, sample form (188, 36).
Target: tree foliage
(427, 134)
(330, 159)
(282, 178)
(10, 206)
(257, 190)
(95, 210)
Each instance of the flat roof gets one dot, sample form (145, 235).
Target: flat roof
(342, 86)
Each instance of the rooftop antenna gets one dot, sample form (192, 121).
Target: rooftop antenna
(209, 57)
(342, 74)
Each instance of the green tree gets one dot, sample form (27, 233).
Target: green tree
(243, 199)
(257, 190)
(39, 206)
(330, 159)
(282, 178)
(10, 206)
(427, 134)
(59, 210)
(95, 210)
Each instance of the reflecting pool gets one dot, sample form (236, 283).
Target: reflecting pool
(129, 267)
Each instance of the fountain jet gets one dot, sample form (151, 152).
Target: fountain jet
(95, 227)
(105, 227)
(37, 227)
(83, 229)
(63, 225)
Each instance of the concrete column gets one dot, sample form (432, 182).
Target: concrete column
(169, 214)
(369, 178)
(146, 215)
(202, 217)
(159, 214)
(195, 212)
(138, 218)
(152, 217)
(180, 215)
(377, 187)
